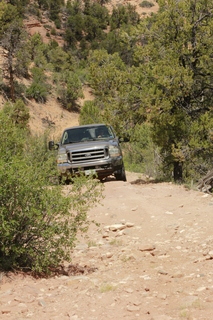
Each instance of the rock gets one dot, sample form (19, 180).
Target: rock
(6, 311)
(134, 209)
(132, 308)
(168, 212)
(177, 275)
(163, 272)
(109, 254)
(211, 254)
(201, 289)
(41, 303)
(129, 290)
(129, 224)
(162, 296)
(105, 235)
(147, 248)
(116, 227)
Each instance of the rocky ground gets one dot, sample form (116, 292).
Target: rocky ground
(150, 259)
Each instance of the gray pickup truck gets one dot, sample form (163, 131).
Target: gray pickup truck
(92, 149)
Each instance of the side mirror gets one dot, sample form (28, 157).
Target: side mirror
(51, 145)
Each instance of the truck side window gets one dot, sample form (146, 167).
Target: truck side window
(65, 138)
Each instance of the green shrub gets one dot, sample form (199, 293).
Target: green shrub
(39, 88)
(146, 4)
(53, 32)
(38, 222)
(90, 113)
(18, 113)
(141, 155)
(69, 89)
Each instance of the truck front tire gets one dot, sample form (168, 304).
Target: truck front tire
(120, 175)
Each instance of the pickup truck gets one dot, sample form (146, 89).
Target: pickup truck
(92, 149)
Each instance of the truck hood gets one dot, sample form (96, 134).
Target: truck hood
(88, 145)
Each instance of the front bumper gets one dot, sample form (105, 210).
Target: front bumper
(102, 168)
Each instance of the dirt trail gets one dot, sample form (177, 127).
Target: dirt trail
(151, 259)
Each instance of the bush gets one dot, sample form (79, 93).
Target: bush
(38, 223)
(69, 89)
(146, 4)
(141, 155)
(53, 32)
(39, 88)
(90, 113)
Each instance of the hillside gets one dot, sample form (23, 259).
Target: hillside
(51, 114)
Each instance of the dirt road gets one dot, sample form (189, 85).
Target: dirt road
(151, 259)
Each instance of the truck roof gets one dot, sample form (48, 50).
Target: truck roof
(87, 126)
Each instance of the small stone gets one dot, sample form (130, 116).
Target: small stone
(41, 303)
(178, 275)
(162, 272)
(129, 224)
(147, 248)
(129, 290)
(134, 209)
(120, 233)
(211, 254)
(146, 289)
(109, 254)
(162, 296)
(105, 235)
(5, 311)
(201, 289)
(132, 308)
(116, 227)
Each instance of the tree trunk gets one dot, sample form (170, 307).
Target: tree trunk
(178, 171)
(11, 80)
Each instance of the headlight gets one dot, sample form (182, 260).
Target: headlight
(61, 158)
(114, 151)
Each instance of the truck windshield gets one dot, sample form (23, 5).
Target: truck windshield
(80, 134)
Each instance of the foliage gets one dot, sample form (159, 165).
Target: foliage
(97, 12)
(146, 4)
(13, 40)
(18, 113)
(105, 72)
(38, 223)
(90, 113)
(86, 23)
(8, 14)
(124, 15)
(20, 5)
(58, 58)
(122, 41)
(177, 56)
(69, 88)
(22, 61)
(39, 89)
(118, 89)
(141, 155)
(35, 45)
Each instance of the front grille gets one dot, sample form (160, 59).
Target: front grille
(88, 155)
